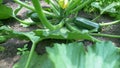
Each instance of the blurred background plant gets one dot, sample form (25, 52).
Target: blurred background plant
(96, 6)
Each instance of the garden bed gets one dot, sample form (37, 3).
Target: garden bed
(9, 55)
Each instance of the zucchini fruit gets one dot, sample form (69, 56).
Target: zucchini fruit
(86, 24)
(35, 18)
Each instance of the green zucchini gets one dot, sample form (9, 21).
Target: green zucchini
(86, 24)
(35, 18)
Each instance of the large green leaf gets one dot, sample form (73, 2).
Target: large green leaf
(6, 12)
(75, 55)
(102, 55)
(36, 35)
(67, 56)
(63, 33)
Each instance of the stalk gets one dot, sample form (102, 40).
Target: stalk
(24, 4)
(97, 17)
(41, 15)
(30, 55)
(22, 21)
(95, 40)
(38, 8)
(54, 7)
(17, 10)
(105, 35)
(109, 23)
(60, 24)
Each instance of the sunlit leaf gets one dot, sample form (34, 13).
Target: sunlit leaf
(75, 55)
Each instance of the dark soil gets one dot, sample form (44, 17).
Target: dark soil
(9, 56)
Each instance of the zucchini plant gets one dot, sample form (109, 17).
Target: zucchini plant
(64, 23)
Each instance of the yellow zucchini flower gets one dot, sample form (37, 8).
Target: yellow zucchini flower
(63, 3)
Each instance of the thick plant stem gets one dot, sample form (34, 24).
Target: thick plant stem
(24, 4)
(109, 23)
(41, 15)
(105, 35)
(30, 55)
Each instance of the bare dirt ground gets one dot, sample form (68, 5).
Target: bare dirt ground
(9, 56)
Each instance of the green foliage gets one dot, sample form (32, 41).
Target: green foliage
(40, 34)
(2, 39)
(2, 48)
(75, 55)
(64, 33)
(1, 1)
(36, 35)
(108, 8)
(7, 33)
(56, 11)
(106, 2)
(22, 51)
(60, 27)
(47, 1)
(6, 12)
(34, 61)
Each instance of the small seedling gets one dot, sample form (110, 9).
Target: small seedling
(2, 48)
(22, 51)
